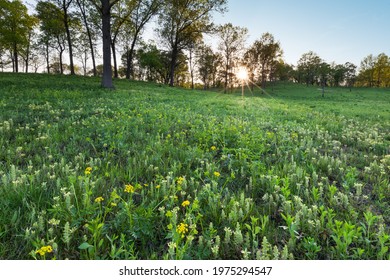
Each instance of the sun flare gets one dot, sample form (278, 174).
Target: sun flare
(242, 74)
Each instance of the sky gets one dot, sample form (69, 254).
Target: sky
(337, 30)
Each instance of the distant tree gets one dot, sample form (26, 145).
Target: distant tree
(142, 12)
(337, 74)
(307, 68)
(284, 71)
(153, 64)
(208, 64)
(350, 74)
(381, 66)
(367, 71)
(231, 43)
(182, 22)
(66, 18)
(250, 61)
(83, 52)
(86, 13)
(27, 52)
(120, 14)
(193, 53)
(324, 71)
(57, 67)
(16, 26)
(52, 31)
(266, 52)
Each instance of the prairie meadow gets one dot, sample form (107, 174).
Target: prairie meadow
(153, 172)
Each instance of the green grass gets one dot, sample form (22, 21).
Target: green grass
(99, 174)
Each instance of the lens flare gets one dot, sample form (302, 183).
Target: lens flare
(242, 74)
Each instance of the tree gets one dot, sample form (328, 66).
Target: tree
(182, 22)
(350, 74)
(381, 66)
(284, 71)
(105, 11)
(308, 66)
(86, 12)
(324, 70)
(16, 26)
(141, 13)
(153, 64)
(367, 71)
(250, 61)
(266, 52)
(52, 30)
(208, 64)
(119, 15)
(26, 52)
(337, 73)
(83, 52)
(65, 6)
(231, 44)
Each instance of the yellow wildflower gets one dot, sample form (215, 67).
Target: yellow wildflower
(217, 174)
(129, 188)
(182, 229)
(45, 249)
(113, 204)
(185, 203)
(99, 199)
(88, 171)
(213, 148)
(180, 180)
(158, 186)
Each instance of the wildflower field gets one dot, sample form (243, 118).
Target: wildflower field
(152, 172)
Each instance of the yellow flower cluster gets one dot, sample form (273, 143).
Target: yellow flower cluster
(213, 148)
(44, 250)
(185, 203)
(180, 180)
(99, 199)
(182, 229)
(129, 188)
(217, 174)
(88, 170)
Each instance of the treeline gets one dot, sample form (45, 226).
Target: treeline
(74, 29)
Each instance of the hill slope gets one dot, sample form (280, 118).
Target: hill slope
(151, 172)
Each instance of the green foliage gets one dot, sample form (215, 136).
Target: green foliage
(151, 172)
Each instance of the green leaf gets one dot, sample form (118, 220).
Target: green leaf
(85, 246)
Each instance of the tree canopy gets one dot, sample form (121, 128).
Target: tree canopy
(66, 33)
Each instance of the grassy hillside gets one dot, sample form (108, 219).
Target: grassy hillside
(151, 172)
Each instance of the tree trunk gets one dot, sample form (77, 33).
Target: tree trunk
(191, 70)
(129, 65)
(68, 37)
(47, 58)
(226, 75)
(106, 28)
(130, 70)
(15, 54)
(28, 51)
(173, 66)
(114, 58)
(61, 63)
(89, 37)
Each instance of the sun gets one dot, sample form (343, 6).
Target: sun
(242, 74)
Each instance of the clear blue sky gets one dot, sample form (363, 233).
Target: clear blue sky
(337, 30)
